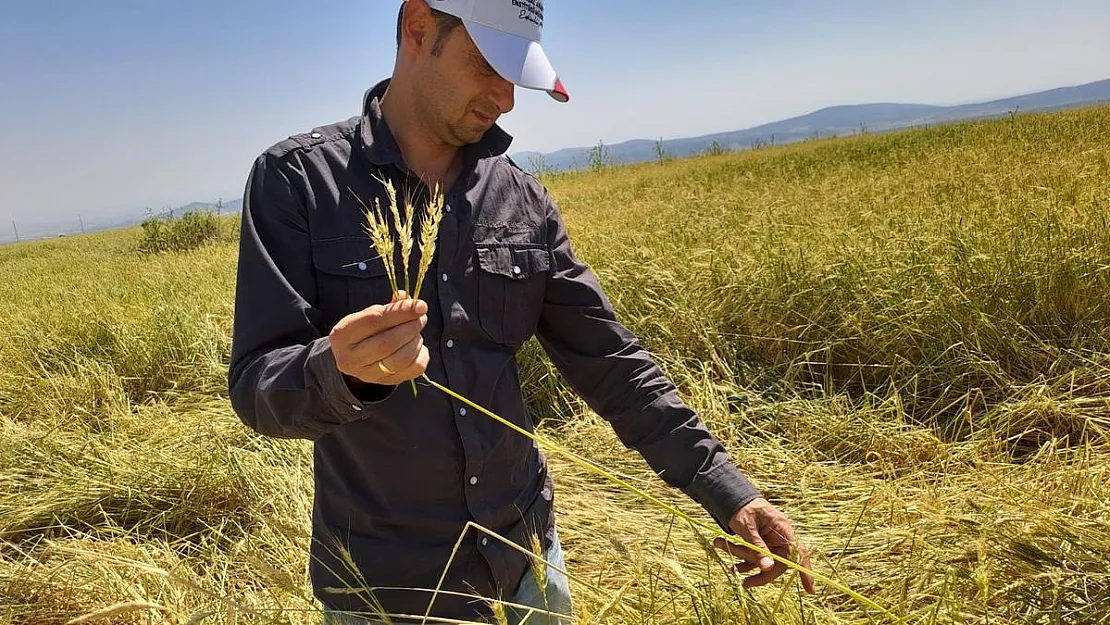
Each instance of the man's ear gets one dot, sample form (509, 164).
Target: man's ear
(416, 25)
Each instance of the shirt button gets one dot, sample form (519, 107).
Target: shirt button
(516, 269)
(450, 343)
(362, 266)
(444, 277)
(316, 135)
(447, 208)
(462, 412)
(485, 541)
(473, 480)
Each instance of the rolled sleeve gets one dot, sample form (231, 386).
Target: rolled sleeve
(343, 393)
(722, 491)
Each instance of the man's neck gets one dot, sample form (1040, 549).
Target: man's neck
(424, 154)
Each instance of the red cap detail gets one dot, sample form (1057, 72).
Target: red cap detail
(560, 92)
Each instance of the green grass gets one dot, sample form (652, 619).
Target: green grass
(190, 231)
(903, 339)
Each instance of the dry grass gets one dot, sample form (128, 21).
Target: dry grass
(903, 339)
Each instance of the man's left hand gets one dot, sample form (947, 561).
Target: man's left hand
(761, 524)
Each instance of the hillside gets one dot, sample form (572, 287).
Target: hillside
(901, 338)
(827, 122)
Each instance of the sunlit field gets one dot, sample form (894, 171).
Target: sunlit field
(903, 339)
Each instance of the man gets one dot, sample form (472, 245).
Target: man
(321, 352)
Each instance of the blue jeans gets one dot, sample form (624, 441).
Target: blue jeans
(528, 593)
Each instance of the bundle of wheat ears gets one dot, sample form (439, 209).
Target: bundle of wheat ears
(386, 246)
(382, 238)
(377, 226)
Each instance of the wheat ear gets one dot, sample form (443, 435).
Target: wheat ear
(378, 228)
(539, 567)
(403, 224)
(429, 232)
(500, 617)
(383, 243)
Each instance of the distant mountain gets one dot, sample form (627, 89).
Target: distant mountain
(47, 230)
(826, 122)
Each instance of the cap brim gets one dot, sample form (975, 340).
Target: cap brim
(519, 60)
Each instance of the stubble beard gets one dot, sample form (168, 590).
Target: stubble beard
(466, 134)
(457, 133)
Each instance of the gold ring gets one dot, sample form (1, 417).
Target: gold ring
(384, 369)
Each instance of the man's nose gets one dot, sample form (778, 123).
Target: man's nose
(504, 94)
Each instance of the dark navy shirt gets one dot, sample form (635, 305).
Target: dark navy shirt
(397, 477)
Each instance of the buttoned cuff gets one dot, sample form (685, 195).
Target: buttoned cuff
(368, 393)
(722, 492)
(347, 400)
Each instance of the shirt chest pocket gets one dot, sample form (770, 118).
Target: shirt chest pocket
(511, 284)
(349, 276)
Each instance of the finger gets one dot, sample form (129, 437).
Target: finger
(782, 534)
(767, 576)
(375, 319)
(807, 579)
(402, 310)
(744, 553)
(415, 370)
(403, 358)
(745, 567)
(753, 536)
(355, 359)
(403, 302)
(380, 346)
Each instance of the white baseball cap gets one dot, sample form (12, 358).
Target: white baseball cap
(508, 34)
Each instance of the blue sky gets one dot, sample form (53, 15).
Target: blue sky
(114, 105)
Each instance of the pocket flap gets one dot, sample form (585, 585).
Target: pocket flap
(353, 257)
(516, 262)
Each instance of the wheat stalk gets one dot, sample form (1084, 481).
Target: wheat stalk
(604, 473)
(106, 614)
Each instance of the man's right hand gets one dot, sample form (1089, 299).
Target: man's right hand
(382, 344)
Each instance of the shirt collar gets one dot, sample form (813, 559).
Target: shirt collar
(381, 148)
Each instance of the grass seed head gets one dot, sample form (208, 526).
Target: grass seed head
(402, 223)
(539, 567)
(500, 617)
(378, 228)
(429, 232)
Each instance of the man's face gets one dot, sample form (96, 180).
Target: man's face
(459, 95)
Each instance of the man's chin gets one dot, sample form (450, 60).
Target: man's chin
(470, 134)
